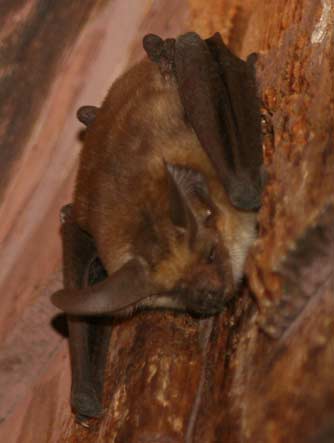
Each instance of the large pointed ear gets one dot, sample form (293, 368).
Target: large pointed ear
(126, 288)
(180, 183)
(218, 93)
(187, 186)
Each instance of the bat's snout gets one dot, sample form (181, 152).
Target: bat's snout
(206, 302)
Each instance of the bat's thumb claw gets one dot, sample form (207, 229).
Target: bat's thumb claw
(153, 46)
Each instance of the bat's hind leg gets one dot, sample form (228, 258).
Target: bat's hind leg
(87, 363)
(99, 331)
(84, 398)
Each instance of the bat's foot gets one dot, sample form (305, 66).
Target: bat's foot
(86, 406)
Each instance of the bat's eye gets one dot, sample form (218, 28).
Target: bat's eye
(209, 218)
(208, 214)
(212, 255)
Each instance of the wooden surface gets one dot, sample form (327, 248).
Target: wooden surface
(36, 44)
(262, 370)
(88, 45)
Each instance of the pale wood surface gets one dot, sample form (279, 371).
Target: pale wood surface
(172, 378)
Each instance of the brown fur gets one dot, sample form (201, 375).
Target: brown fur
(162, 232)
(122, 194)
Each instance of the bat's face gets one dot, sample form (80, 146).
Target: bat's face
(207, 251)
(190, 260)
(207, 281)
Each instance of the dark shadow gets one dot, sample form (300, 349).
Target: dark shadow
(325, 435)
(59, 324)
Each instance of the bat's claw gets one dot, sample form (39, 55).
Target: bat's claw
(65, 214)
(87, 422)
(82, 421)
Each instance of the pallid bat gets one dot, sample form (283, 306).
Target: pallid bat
(164, 208)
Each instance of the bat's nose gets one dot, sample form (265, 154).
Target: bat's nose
(245, 195)
(208, 302)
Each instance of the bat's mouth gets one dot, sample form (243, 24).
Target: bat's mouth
(204, 302)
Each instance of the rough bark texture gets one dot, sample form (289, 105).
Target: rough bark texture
(37, 38)
(262, 370)
(80, 47)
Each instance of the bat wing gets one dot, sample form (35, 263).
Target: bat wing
(218, 92)
(123, 289)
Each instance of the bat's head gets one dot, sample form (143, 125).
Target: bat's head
(210, 243)
(194, 266)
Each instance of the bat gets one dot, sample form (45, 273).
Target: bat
(164, 209)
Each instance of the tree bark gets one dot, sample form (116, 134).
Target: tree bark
(262, 370)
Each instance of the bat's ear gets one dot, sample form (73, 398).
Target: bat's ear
(124, 289)
(218, 93)
(87, 114)
(186, 185)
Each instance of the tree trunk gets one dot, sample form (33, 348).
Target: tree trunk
(262, 370)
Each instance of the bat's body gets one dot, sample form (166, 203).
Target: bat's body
(150, 204)
(123, 199)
